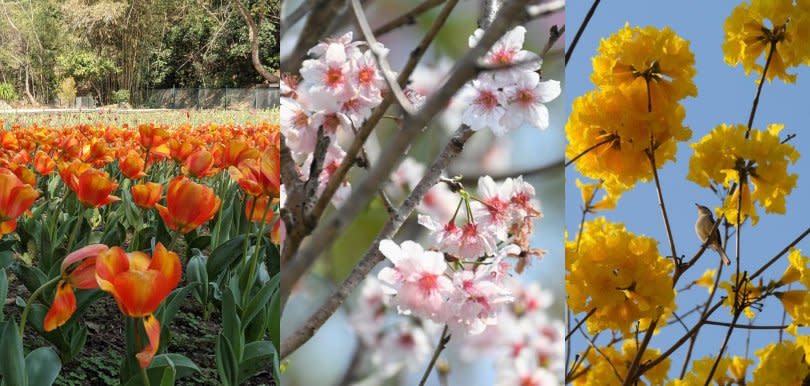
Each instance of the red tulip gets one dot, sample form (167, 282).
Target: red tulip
(94, 189)
(146, 195)
(15, 198)
(78, 271)
(188, 205)
(139, 284)
(132, 165)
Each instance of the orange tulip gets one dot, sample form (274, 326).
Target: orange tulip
(9, 141)
(200, 164)
(94, 189)
(70, 173)
(188, 205)
(132, 165)
(139, 284)
(15, 198)
(279, 232)
(152, 136)
(146, 195)
(25, 175)
(180, 150)
(259, 177)
(78, 271)
(237, 151)
(44, 164)
(256, 207)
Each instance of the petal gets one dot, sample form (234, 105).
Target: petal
(62, 308)
(168, 264)
(109, 264)
(152, 328)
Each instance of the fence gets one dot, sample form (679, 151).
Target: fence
(207, 98)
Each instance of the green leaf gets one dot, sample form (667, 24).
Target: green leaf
(42, 366)
(168, 377)
(115, 235)
(231, 325)
(32, 277)
(260, 300)
(257, 355)
(3, 290)
(197, 273)
(6, 258)
(227, 364)
(225, 255)
(171, 305)
(12, 363)
(184, 366)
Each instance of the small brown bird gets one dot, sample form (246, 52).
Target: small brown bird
(703, 228)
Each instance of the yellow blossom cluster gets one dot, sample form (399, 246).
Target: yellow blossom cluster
(723, 155)
(641, 74)
(618, 274)
(797, 300)
(754, 29)
(780, 364)
(730, 371)
(589, 201)
(606, 365)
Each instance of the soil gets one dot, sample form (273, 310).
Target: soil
(98, 363)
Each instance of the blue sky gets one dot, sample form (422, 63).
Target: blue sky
(724, 96)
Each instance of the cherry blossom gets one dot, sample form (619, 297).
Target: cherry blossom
(526, 98)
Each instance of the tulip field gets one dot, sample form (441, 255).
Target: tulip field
(139, 250)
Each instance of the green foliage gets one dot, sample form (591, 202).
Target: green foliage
(66, 93)
(85, 66)
(7, 92)
(120, 96)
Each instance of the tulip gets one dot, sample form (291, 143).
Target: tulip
(152, 136)
(44, 164)
(200, 164)
(94, 189)
(78, 271)
(259, 177)
(145, 196)
(188, 205)
(237, 151)
(132, 165)
(257, 207)
(15, 198)
(139, 284)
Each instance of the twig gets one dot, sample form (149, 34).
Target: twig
(580, 30)
(542, 169)
(443, 340)
(703, 314)
(780, 254)
(536, 11)
(610, 138)
(659, 191)
(318, 21)
(295, 16)
(579, 323)
(755, 104)
(748, 326)
(385, 68)
(407, 18)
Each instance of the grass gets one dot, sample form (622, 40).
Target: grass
(122, 117)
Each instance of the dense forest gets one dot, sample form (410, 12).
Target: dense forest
(52, 50)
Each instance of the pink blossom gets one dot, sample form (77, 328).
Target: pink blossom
(474, 304)
(526, 101)
(417, 280)
(485, 107)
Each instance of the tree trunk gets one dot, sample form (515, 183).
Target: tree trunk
(253, 30)
(31, 98)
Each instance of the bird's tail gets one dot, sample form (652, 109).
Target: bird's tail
(723, 256)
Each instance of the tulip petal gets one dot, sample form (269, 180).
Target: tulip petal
(167, 263)
(109, 264)
(152, 328)
(62, 308)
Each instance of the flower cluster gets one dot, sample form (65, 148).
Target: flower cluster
(528, 345)
(641, 74)
(607, 362)
(462, 284)
(729, 371)
(724, 155)
(756, 28)
(507, 98)
(338, 88)
(619, 275)
(781, 364)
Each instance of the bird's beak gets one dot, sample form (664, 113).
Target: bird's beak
(697, 205)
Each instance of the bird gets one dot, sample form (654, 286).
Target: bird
(704, 226)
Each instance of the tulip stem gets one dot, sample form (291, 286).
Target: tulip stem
(145, 377)
(75, 233)
(34, 296)
(256, 253)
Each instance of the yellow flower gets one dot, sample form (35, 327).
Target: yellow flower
(720, 156)
(602, 373)
(588, 193)
(707, 280)
(753, 27)
(748, 294)
(619, 274)
(615, 129)
(796, 267)
(633, 56)
(797, 301)
(729, 371)
(780, 364)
